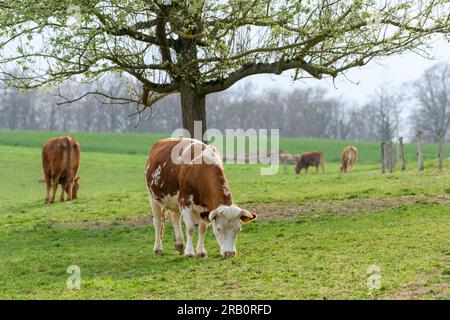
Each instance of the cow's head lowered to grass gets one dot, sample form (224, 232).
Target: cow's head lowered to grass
(74, 184)
(227, 222)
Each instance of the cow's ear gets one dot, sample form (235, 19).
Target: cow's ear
(247, 216)
(77, 179)
(212, 215)
(205, 216)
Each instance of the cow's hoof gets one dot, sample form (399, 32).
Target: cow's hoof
(201, 255)
(157, 251)
(179, 248)
(189, 255)
(62, 200)
(229, 254)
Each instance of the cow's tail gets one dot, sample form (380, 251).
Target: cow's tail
(44, 162)
(69, 159)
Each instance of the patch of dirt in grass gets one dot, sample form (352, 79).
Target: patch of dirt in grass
(129, 221)
(277, 210)
(419, 291)
(424, 287)
(343, 207)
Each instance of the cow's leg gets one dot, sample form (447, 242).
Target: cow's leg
(48, 182)
(70, 188)
(157, 222)
(55, 182)
(201, 252)
(62, 193)
(176, 222)
(317, 168)
(190, 228)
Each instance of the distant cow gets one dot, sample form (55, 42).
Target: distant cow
(308, 159)
(60, 160)
(186, 177)
(349, 157)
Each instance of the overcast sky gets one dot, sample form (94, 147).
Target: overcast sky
(393, 71)
(358, 84)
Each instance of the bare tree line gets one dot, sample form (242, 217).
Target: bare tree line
(432, 94)
(308, 112)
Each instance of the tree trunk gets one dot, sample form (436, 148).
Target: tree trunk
(420, 151)
(390, 158)
(383, 159)
(441, 149)
(193, 108)
(401, 154)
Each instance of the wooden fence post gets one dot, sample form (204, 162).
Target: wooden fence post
(390, 158)
(383, 161)
(420, 150)
(401, 154)
(441, 149)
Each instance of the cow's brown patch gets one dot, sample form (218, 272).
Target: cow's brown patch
(202, 182)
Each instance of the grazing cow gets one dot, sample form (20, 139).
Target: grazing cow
(307, 159)
(60, 160)
(186, 177)
(349, 157)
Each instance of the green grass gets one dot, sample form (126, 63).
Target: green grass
(130, 143)
(369, 151)
(316, 255)
(134, 143)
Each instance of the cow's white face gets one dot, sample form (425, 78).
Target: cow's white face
(227, 223)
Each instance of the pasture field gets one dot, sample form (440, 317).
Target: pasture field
(133, 143)
(315, 238)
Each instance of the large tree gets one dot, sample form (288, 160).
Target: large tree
(197, 47)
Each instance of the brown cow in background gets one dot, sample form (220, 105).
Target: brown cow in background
(60, 160)
(349, 157)
(307, 159)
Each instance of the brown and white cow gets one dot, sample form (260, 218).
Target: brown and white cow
(307, 159)
(61, 160)
(186, 177)
(349, 157)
